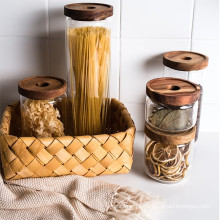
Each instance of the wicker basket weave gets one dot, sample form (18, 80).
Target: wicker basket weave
(24, 157)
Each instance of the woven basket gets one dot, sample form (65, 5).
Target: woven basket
(24, 157)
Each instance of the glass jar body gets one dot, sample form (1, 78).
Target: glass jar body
(43, 118)
(196, 76)
(170, 119)
(167, 163)
(88, 46)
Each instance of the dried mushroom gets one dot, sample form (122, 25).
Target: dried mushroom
(41, 119)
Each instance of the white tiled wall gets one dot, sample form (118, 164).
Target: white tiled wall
(32, 43)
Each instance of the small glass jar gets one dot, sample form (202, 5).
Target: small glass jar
(43, 106)
(168, 157)
(88, 53)
(189, 66)
(171, 104)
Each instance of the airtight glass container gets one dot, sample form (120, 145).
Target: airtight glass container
(187, 65)
(88, 50)
(168, 157)
(171, 104)
(43, 106)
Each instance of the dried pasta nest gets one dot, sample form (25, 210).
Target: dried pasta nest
(167, 162)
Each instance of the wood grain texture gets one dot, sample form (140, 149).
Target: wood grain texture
(173, 91)
(185, 60)
(172, 139)
(42, 87)
(88, 11)
(24, 157)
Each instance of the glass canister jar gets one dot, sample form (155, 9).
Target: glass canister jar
(187, 65)
(43, 106)
(88, 49)
(171, 104)
(168, 156)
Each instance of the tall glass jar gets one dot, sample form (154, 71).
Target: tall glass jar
(43, 106)
(189, 66)
(88, 50)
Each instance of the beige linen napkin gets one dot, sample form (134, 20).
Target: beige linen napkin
(71, 197)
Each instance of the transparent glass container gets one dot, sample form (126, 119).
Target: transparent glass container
(88, 55)
(189, 66)
(43, 118)
(171, 119)
(167, 163)
(196, 76)
(43, 105)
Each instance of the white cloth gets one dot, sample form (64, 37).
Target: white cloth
(71, 197)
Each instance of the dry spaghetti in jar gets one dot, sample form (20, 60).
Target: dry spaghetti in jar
(88, 53)
(43, 106)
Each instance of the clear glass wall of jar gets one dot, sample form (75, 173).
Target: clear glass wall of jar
(169, 118)
(171, 104)
(187, 65)
(88, 50)
(43, 106)
(168, 157)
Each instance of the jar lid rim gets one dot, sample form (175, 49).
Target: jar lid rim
(88, 11)
(173, 91)
(185, 60)
(42, 87)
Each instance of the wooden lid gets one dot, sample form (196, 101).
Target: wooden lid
(173, 91)
(172, 139)
(42, 87)
(185, 60)
(88, 11)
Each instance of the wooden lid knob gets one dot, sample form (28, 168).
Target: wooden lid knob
(185, 60)
(88, 11)
(173, 91)
(172, 139)
(42, 87)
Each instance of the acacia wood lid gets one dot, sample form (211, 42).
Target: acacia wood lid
(42, 87)
(185, 60)
(88, 11)
(172, 139)
(173, 91)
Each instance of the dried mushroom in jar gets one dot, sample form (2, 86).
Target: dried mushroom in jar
(41, 119)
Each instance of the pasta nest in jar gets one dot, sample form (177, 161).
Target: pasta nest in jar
(167, 162)
(41, 119)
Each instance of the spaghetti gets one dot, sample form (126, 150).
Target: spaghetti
(89, 52)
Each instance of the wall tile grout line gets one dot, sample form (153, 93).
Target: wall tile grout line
(192, 25)
(48, 35)
(119, 81)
